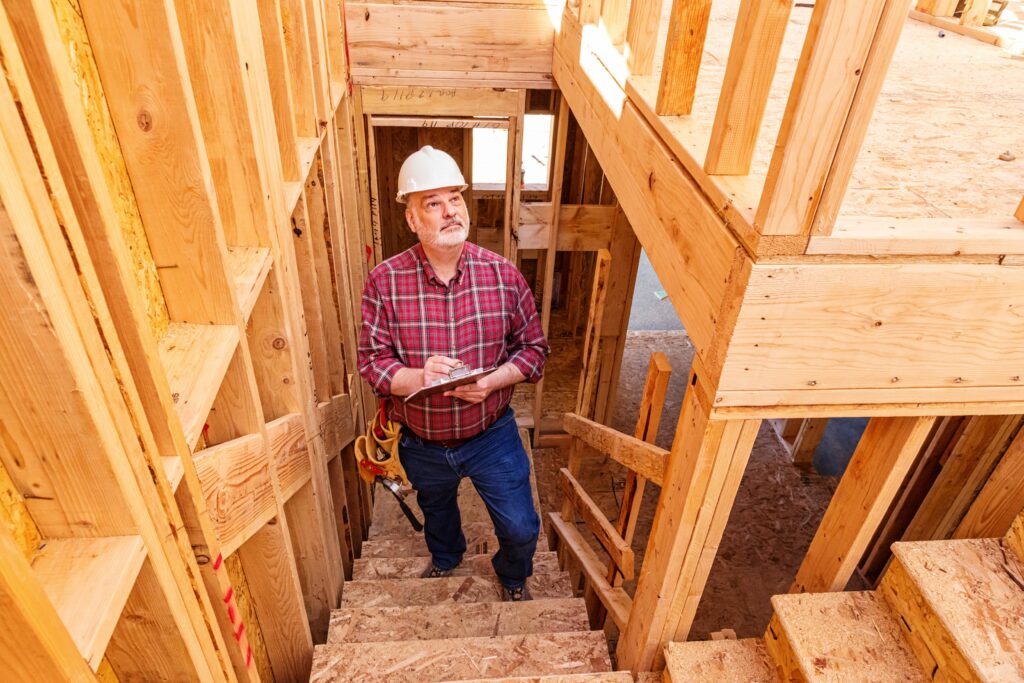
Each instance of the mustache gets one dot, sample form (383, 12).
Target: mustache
(454, 221)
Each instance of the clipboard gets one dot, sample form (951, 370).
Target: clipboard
(456, 378)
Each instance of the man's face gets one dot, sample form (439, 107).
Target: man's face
(438, 217)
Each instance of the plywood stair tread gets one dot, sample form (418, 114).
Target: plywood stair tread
(963, 602)
(603, 677)
(411, 567)
(480, 540)
(424, 661)
(459, 620)
(842, 637)
(409, 592)
(88, 580)
(725, 661)
(195, 358)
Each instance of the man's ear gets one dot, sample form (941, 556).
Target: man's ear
(409, 219)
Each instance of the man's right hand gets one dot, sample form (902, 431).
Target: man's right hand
(438, 367)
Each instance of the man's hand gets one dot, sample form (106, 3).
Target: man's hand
(475, 392)
(438, 367)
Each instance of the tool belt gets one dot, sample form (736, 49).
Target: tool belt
(377, 450)
(377, 458)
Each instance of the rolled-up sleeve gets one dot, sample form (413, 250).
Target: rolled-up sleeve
(528, 349)
(378, 362)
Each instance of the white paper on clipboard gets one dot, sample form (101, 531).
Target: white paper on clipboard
(442, 385)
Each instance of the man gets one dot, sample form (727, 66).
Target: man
(443, 304)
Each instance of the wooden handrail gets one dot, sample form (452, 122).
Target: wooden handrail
(616, 547)
(647, 460)
(615, 599)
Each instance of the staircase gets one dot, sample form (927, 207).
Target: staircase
(944, 610)
(396, 627)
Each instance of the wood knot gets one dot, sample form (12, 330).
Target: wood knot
(145, 120)
(279, 343)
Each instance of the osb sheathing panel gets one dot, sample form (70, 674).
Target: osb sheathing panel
(247, 614)
(14, 514)
(72, 28)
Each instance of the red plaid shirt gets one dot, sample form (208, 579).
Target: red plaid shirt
(485, 317)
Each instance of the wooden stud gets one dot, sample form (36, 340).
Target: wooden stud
(587, 392)
(872, 77)
(613, 543)
(557, 175)
(937, 8)
(704, 470)
(276, 594)
(1000, 500)
(806, 442)
(887, 450)
(967, 467)
(975, 12)
(300, 67)
(642, 35)
(514, 180)
(652, 401)
(614, 15)
(684, 48)
(831, 67)
(753, 58)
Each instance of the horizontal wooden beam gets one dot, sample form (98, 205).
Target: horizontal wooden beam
(236, 476)
(877, 333)
(235, 479)
(426, 48)
(646, 459)
(427, 101)
(615, 599)
(581, 227)
(607, 536)
(337, 425)
(873, 236)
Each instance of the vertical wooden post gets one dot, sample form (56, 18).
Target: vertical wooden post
(885, 454)
(557, 174)
(975, 12)
(937, 8)
(753, 58)
(821, 104)
(704, 470)
(587, 391)
(642, 35)
(807, 439)
(890, 25)
(614, 15)
(514, 179)
(684, 48)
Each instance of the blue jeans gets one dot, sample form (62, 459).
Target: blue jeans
(497, 464)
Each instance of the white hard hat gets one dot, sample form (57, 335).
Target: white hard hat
(428, 169)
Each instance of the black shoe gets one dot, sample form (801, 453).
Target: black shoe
(520, 594)
(432, 572)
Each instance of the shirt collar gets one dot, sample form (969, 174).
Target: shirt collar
(428, 269)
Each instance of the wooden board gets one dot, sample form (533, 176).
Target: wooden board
(248, 267)
(88, 581)
(196, 357)
(647, 460)
(429, 101)
(618, 549)
(581, 227)
(446, 42)
(882, 333)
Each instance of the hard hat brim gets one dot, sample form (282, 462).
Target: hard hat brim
(402, 197)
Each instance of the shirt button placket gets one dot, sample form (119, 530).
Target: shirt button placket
(450, 302)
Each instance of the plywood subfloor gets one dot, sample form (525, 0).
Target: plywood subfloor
(950, 106)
